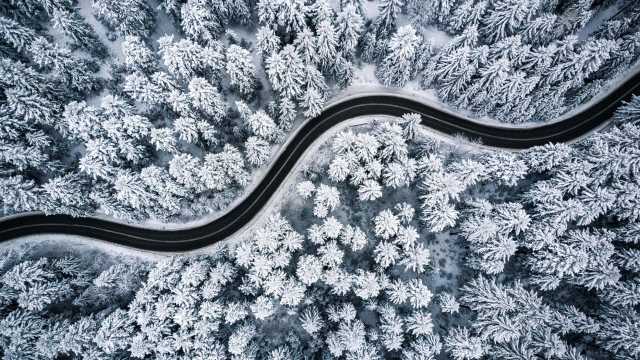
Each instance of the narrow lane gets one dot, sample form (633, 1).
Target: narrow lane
(565, 130)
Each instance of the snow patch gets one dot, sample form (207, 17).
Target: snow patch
(80, 244)
(371, 9)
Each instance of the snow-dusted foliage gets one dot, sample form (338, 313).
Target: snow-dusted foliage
(151, 119)
(226, 304)
(162, 109)
(550, 235)
(64, 305)
(567, 251)
(514, 60)
(550, 265)
(82, 117)
(331, 285)
(129, 17)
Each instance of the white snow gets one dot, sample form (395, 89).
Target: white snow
(54, 241)
(598, 19)
(285, 193)
(446, 256)
(364, 82)
(371, 10)
(438, 38)
(87, 12)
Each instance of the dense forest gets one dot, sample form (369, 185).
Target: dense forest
(391, 244)
(165, 111)
(399, 247)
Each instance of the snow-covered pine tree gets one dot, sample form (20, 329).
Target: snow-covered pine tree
(349, 28)
(129, 17)
(267, 42)
(137, 55)
(257, 151)
(284, 70)
(206, 98)
(506, 17)
(326, 42)
(306, 43)
(463, 346)
(241, 70)
(388, 12)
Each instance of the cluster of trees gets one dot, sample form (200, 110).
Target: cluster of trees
(53, 306)
(558, 266)
(133, 152)
(552, 273)
(129, 17)
(22, 23)
(320, 286)
(320, 292)
(304, 46)
(37, 76)
(183, 120)
(512, 60)
(551, 234)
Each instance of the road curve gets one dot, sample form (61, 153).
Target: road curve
(565, 130)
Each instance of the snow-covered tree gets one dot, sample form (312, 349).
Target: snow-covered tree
(327, 198)
(257, 150)
(326, 42)
(386, 224)
(130, 189)
(137, 56)
(311, 321)
(401, 63)
(388, 12)
(313, 102)
(370, 190)
(206, 98)
(224, 169)
(287, 114)
(240, 69)
(267, 42)
(143, 90)
(506, 17)
(287, 14)
(309, 269)
(448, 303)
(129, 17)
(15, 34)
(419, 323)
(187, 129)
(349, 27)
(306, 189)
(163, 139)
(200, 20)
(186, 59)
(463, 346)
(492, 231)
(262, 125)
(183, 168)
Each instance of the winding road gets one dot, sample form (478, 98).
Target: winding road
(564, 130)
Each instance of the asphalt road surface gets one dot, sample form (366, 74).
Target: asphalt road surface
(565, 130)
